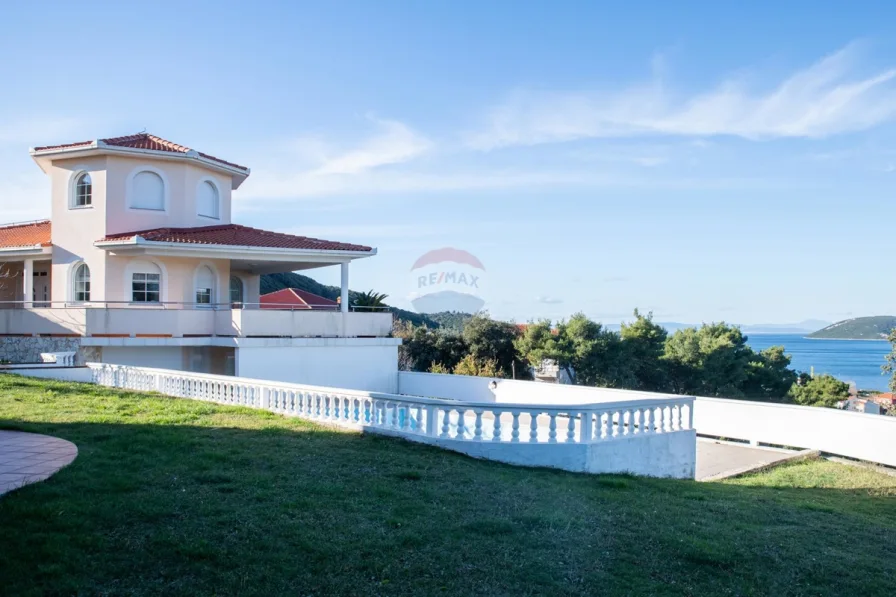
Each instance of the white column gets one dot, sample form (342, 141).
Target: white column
(344, 288)
(28, 285)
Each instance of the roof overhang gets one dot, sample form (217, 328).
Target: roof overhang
(25, 252)
(43, 158)
(260, 260)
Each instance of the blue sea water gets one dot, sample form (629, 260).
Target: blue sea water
(857, 361)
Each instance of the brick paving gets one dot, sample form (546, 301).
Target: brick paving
(30, 457)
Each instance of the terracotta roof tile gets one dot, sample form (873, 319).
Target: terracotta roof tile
(25, 235)
(236, 235)
(293, 298)
(142, 141)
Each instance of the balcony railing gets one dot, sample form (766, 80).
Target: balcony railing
(189, 319)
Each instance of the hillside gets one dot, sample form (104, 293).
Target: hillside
(859, 328)
(274, 282)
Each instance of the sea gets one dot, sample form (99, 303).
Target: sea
(856, 361)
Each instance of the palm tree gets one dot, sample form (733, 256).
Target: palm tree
(369, 299)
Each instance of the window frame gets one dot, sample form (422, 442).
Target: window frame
(77, 281)
(242, 290)
(166, 190)
(146, 291)
(211, 289)
(206, 180)
(74, 189)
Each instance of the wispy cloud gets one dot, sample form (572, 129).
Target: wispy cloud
(548, 300)
(394, 143)
(824, 99)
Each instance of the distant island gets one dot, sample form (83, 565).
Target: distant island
(858, 328)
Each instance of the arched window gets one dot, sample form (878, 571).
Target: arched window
(148, 191)
(236, 290)
(83, 190)
(82, 284)
(205, 286)
(207, 200)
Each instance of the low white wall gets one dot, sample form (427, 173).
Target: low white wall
(672, 454)
(464, 387)
(856, 435)
(82, 374)
(352, 364)
(450, 387)
(302, 323)
(158, 357)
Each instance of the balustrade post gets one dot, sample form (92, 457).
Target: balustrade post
(496, 429)
(552, 428)
(533, 426)
(446, 422)
(432, 419)
(477, 430)
(264, 393)
(585, 426)
(515, 427)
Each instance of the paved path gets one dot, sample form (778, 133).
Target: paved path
(715, 459)
(31, 457)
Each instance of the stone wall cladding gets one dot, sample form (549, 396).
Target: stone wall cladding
(24, 349)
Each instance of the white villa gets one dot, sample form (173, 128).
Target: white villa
(140, 264)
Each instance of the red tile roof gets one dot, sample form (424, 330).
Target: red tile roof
(293, 298)
(25, 235)
(236, 235)
(141, 141)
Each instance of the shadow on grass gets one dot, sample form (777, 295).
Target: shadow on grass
(241, 501)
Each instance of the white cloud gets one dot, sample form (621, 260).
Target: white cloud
(548, 300)
(395, 143)
(824, 99)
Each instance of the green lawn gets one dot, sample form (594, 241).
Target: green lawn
(177, 497)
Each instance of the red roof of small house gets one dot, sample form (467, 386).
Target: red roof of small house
(28, 234)
(235, 235)
(884, 397)
(140, 141)
(293, 298)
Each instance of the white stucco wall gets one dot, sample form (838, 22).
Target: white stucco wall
(856, 435)
(182, 185)
(463, 387)
(75, 230)
(355, 364)
(81, 374)
(158, 357)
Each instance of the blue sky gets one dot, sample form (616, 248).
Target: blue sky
(706, 161)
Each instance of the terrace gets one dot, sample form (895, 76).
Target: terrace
(268, 504)
(179, 320)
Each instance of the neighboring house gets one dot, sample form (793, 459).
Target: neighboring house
(549, 370)
(862, 405)
(140, 263)
(293, 298)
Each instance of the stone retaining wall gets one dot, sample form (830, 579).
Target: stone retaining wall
(24, 349)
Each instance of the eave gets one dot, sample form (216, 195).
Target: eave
(254, 256)
(44, 157)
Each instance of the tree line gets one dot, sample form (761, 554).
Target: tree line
(711, 360)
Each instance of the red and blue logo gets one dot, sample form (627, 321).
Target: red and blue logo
(447, 279)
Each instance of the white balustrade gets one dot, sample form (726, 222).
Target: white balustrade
(411, 415)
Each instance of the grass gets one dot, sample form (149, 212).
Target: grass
(178, 497)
